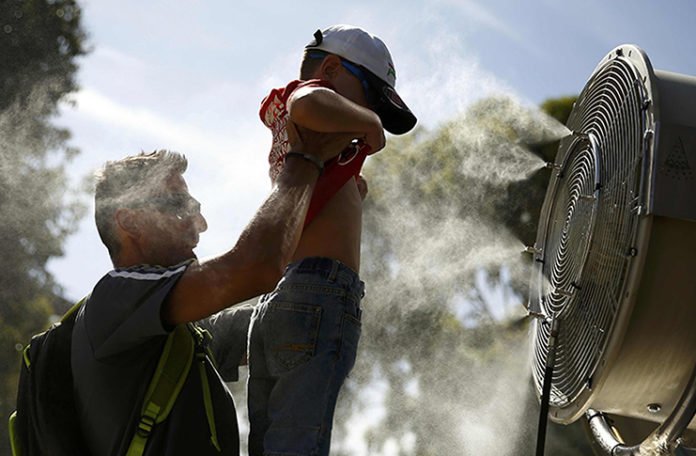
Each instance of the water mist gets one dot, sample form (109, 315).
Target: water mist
(432, 222)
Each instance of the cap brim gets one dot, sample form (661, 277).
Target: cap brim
(396, 117)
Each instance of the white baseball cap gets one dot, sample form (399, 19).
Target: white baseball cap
(369, 52)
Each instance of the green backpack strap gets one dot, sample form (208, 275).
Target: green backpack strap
(203, 352)
(74, 308)
(167, 381)
(14, 438)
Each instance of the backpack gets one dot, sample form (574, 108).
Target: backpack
(46, 420)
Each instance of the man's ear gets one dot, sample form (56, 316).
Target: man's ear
(330, 67)
(127, 222)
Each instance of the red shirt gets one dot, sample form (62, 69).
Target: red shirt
(274, 114)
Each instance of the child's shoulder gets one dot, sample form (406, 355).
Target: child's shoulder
(298, 84)
(275, 103)
(283, 93)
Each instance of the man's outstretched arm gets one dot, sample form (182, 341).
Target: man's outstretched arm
(257, 261)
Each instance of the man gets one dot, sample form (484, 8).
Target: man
(150, 224)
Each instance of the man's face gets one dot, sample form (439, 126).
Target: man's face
(170, 223)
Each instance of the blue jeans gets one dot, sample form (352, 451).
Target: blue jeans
(303, 340)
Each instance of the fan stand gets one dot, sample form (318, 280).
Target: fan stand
(546, 390)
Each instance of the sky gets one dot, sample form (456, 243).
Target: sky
(189, 76)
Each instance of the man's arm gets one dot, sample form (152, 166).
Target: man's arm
(229, 328)
(265, 247)
(323, 110)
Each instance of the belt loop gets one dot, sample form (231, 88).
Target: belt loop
(334, 271)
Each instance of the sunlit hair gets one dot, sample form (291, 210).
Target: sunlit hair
(127, 183)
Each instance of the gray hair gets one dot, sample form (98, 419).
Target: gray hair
(129, 182)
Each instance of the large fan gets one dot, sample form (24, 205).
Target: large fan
(615, 253)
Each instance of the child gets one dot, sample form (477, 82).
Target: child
(304, 335)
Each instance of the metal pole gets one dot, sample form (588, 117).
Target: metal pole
(663, 441)
(546, 390)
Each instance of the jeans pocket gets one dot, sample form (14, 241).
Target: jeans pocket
(350, 337)
(292, 335)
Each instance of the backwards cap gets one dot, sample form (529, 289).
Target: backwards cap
(367, 50)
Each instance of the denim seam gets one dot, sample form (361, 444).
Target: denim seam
(334, 272)
(353, 318)
(331, 377)
(315, 336)
(294, 306)
(313, 288)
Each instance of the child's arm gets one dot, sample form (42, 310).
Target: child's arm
(323, 110)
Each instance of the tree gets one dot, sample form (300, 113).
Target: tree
(442, 262)
(40, 41)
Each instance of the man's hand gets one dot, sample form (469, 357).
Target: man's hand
(324, 146)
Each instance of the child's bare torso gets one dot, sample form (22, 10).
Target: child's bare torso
(335, 232)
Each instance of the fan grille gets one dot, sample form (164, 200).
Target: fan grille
(588, 226)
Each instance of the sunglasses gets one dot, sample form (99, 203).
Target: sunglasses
(360, 74)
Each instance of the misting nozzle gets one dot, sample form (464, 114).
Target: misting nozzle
(565, 293)
(537, 315)
(580, 134)
(531, 249)
(552, 165)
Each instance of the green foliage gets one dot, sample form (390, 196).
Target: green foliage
(441, 258)
(40, 40)
(39, 43)
(559, 108)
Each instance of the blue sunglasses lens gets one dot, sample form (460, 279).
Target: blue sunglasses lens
(358, 73)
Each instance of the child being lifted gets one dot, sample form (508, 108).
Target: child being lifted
(304, 335)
